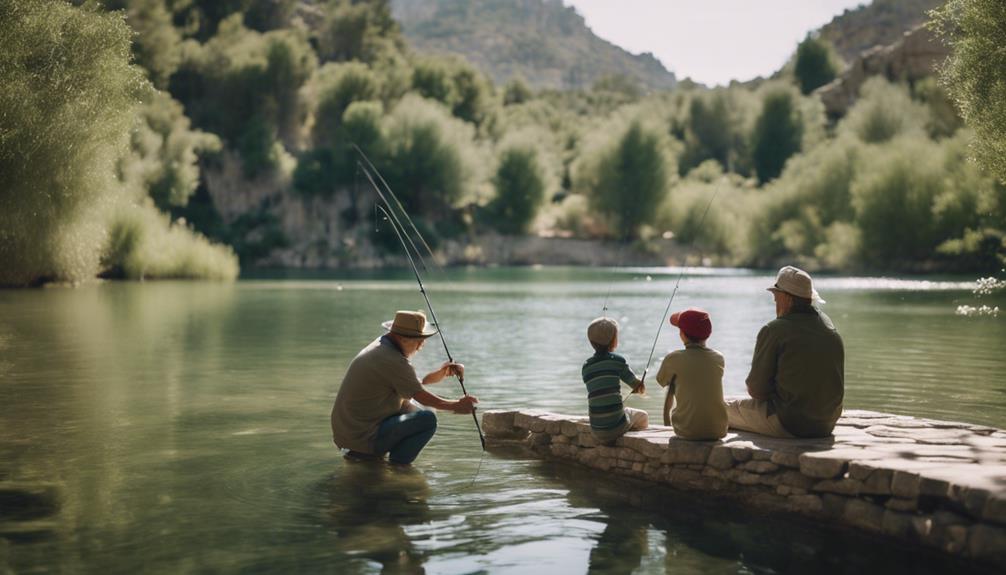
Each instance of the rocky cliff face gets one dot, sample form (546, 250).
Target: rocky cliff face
(913, 57)
(545, 42)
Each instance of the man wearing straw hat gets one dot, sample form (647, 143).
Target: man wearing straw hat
(797, 377)
(374, 413)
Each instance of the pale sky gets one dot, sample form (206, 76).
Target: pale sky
(711, 41)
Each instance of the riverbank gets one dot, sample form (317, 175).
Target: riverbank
(934, 484)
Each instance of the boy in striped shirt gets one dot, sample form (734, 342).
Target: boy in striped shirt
(602, 374)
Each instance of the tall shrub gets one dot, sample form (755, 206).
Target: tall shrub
(66, 107)
(520, 189)
(777, 134)
(815, 64)
(975, 73)
(627, 180)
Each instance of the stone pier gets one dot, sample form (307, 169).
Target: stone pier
(932, 483)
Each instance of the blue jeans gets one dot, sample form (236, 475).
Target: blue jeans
(404, 436)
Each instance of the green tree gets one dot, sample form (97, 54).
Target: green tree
(427, 161)
(520, 190)
(244, 86)
(815, 64)
(338, 86)
(629, 179)
(516, 92)
(709, 131)
(157, 44)
(777, 134)
(975, 73)
(68, 100)
(354, 30)
(163, 162)
(883, 112)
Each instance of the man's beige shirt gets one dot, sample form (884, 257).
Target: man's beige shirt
(379, 383)
(694, 376)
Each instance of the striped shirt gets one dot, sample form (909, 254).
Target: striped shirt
(601, 374)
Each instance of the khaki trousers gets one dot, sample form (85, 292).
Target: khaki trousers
(638, 419)
(752, 415)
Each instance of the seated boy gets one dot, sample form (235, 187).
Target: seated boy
(694, 376)
(609, 418)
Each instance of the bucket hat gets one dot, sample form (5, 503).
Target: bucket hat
(795, 281)
(410, 324)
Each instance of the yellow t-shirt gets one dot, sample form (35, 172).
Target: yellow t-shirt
(379, 383)
(694, 377)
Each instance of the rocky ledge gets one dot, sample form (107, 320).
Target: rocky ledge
(933, 483)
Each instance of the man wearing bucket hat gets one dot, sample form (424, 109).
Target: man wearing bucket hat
(797, 378)
(374, 413)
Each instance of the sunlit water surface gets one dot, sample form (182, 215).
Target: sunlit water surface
(180, 427)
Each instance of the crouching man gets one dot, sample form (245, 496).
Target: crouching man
(374, 413)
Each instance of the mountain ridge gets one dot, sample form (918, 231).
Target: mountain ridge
(543, 42)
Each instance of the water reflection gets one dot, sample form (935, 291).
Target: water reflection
(368, 507)
(702, 535)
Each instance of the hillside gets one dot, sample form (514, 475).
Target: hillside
(880, 23)
(546, 43)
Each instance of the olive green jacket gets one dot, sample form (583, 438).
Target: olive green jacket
(799, 368)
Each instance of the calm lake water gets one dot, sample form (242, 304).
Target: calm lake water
(183, 427)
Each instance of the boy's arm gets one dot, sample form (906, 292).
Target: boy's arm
(629, 378)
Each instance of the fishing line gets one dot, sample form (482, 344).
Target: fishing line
(660, 327)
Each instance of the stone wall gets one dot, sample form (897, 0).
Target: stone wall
(930, 483)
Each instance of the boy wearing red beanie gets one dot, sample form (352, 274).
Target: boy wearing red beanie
(694, 376)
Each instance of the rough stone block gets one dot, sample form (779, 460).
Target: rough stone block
(844, 486)
(685, 477)
(863, 515)
(720, 458)
(786, 459)
(563, 439)
(539, 439)
(796, 479)
(537, 425)
(994, 509)
(745, 478)
(897, 524)
(553, 427)
(569, 428)
(498, 424)
(899, 504)
(522, 420)
(933, 487)
(821, 467)
(740, 454)
(987, 543)
(809, 504)
(759, 466)
(682, 451)
(905, 484)
(586, 440)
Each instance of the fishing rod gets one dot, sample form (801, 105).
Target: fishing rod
(433, 315)
(398, 203)
(394, 217)
(671, 299)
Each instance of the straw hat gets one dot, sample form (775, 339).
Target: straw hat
(410, 324)
(795, 281)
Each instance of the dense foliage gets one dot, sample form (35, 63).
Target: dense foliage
(975, 73)
(253, 142)
(70, 102)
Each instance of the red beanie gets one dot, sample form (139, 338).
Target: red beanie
(694, 323)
